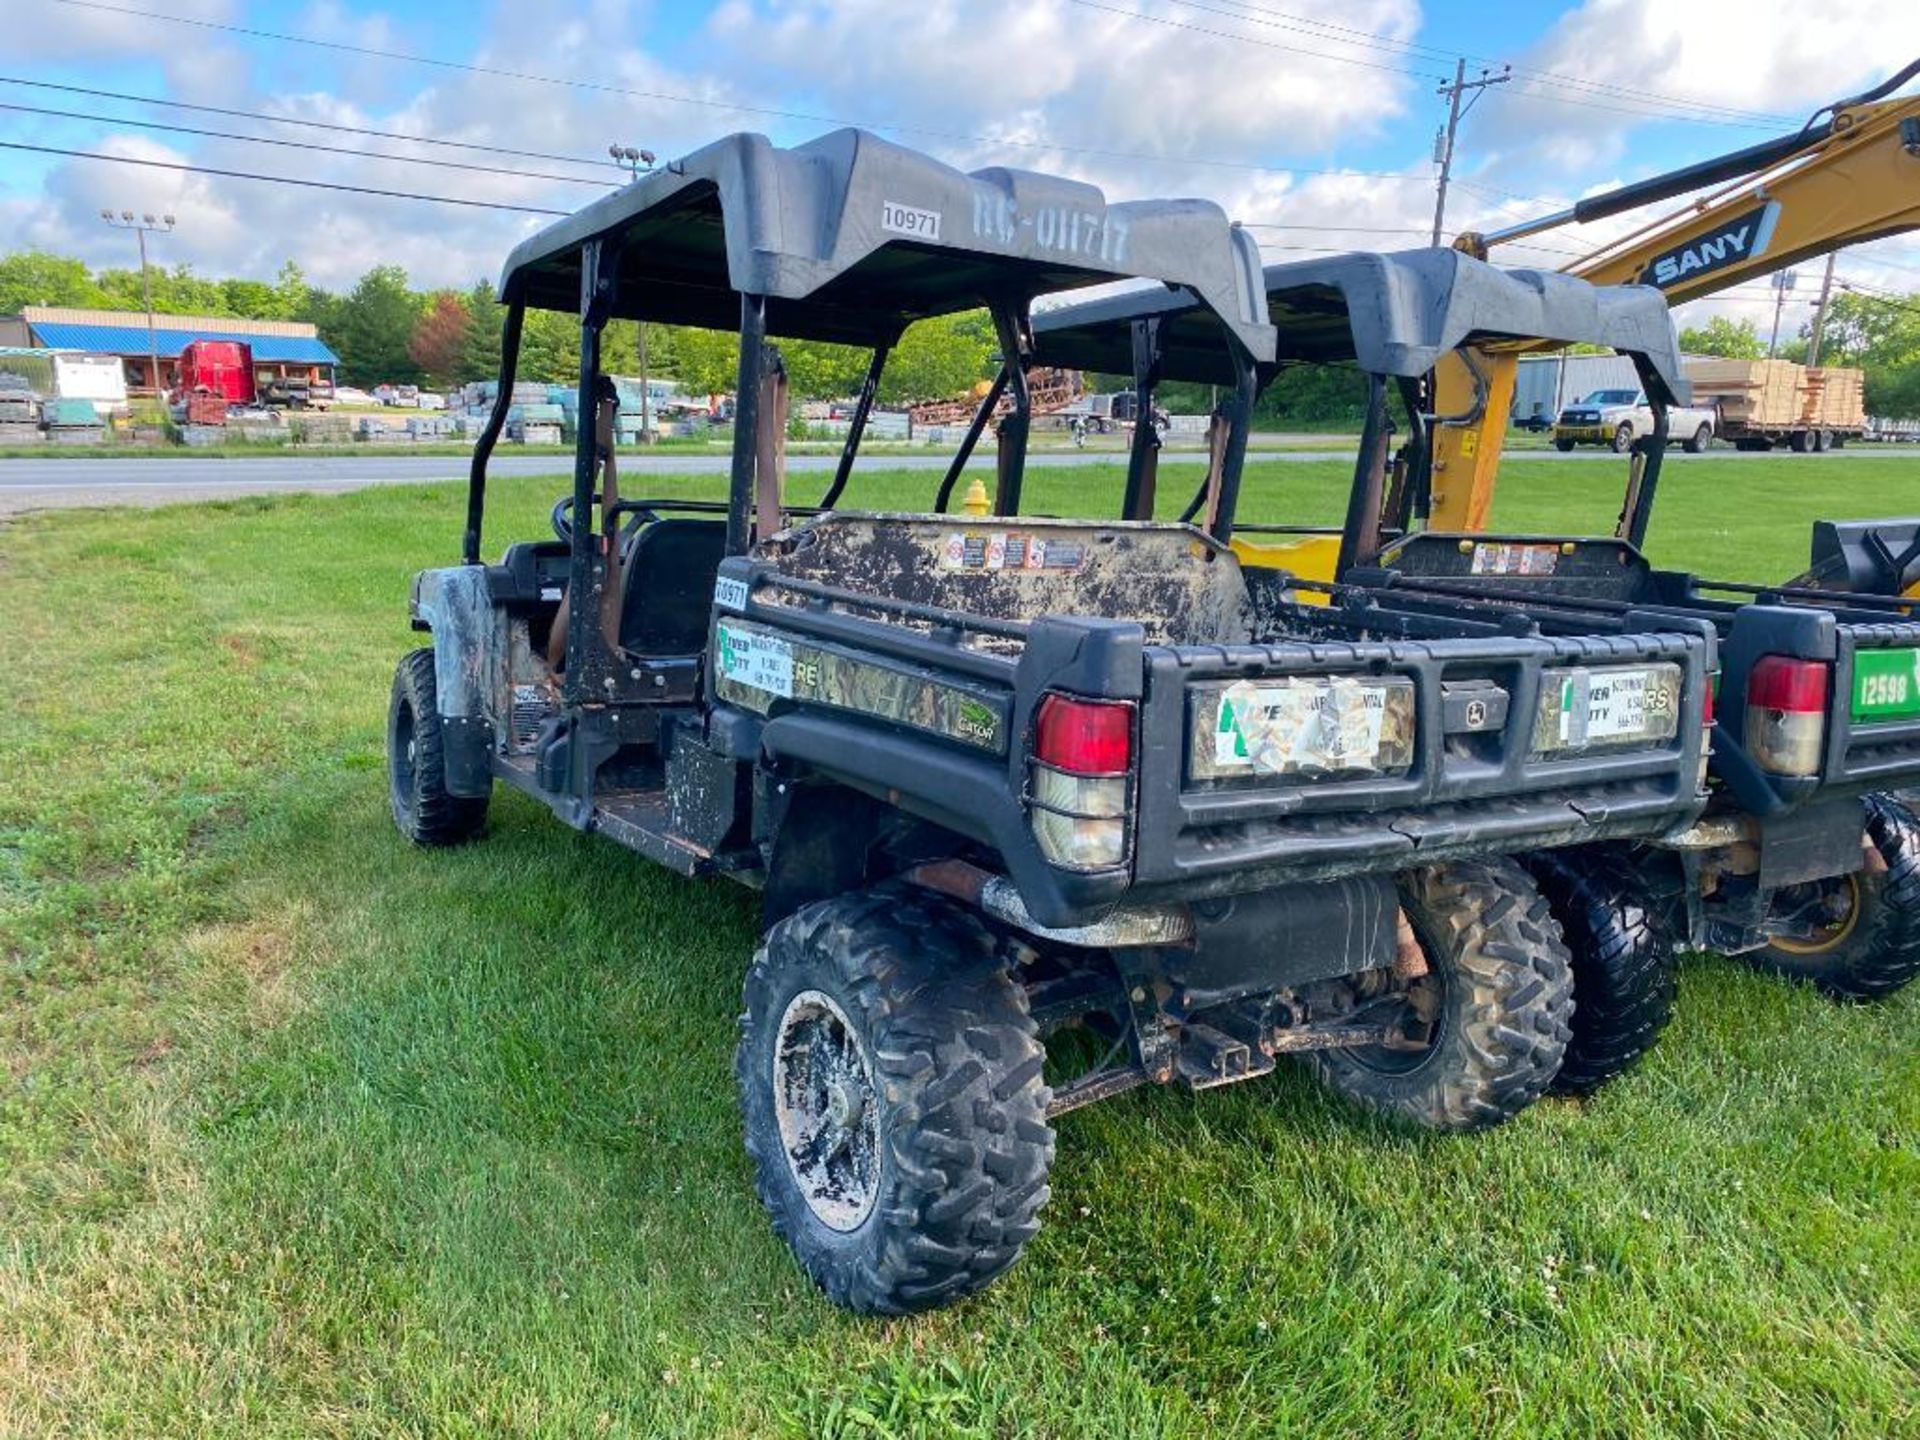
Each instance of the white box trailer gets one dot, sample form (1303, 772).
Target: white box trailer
(100, 379)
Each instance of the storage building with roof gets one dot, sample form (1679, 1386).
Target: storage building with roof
(282, 349)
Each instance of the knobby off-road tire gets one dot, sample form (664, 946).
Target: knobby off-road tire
(959, 1142)
(1505, 1000)
(416, 770)
(1876, 949)
(1624, 974)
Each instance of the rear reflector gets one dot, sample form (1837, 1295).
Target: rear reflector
(1084, 737)
(1787, 713)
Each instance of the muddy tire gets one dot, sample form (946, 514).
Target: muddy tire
(423, 809)
(1874, 947)
(1624, 975)
(896, 1115)
(1503, 992)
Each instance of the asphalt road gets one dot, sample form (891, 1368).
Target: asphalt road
(36, 484)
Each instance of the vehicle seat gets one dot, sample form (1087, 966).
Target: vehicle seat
(667, 595)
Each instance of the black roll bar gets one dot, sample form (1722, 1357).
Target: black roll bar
(863, 407)
(746, 417)
(1016, 427)
(1360, 537)
(1239, 412)
(588, 560)
(975, 428)
(1644, 468)
(489, 437)
(1144, 453)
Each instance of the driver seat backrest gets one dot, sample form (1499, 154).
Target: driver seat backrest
(666, 597)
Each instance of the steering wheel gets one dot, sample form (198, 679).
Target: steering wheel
(634, 517)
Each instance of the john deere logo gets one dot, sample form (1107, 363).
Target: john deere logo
(1743, 238)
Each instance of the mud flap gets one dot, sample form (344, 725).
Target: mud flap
(466, 755)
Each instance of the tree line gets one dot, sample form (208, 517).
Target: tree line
(385, 331)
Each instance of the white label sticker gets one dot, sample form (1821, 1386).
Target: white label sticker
(729, 593)
(909, 220)
(760, 662)
(1332, 725)
(1617, 704)
(1610, 705)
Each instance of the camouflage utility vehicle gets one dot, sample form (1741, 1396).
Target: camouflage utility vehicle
(1803, 860)
(996, 775)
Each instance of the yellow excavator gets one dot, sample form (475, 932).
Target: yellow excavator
(1851, 174)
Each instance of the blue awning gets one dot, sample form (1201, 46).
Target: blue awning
(132, 340)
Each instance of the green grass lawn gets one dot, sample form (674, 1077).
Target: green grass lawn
(303, 1132)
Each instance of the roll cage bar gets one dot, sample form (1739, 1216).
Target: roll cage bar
(1392, 316)
(847, 239)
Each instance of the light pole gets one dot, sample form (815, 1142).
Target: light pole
(1783, 281)
(164, 224)
(636, 161)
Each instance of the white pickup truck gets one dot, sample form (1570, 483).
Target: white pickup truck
(1617, 418)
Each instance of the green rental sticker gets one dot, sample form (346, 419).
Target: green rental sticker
(1886, 684)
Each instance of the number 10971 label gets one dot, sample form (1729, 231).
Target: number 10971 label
(909, 220)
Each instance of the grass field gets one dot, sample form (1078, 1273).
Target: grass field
(305, 1133)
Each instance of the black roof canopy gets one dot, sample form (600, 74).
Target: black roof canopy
(852, 238)
(1392, 314)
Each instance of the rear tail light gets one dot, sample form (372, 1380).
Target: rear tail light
(1787, 713)
(1080, 781)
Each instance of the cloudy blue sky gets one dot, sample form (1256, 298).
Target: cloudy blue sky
(1312, 119)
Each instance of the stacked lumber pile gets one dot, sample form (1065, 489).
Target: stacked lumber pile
(1836, 398)
(1780, 393)
(1750, 392)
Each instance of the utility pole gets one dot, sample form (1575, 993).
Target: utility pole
(1456, 112)
(635, 161)
(1782, 281)
(164, 224)
(1820, 313)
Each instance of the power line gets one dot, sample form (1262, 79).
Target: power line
(1244, 39)
(301, 145)
(308, 124)
(1231, 35)
(279, 179)
(1334, 229)
(737, 107)
(1339, 34)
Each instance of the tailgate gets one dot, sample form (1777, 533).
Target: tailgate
(1305, 760)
